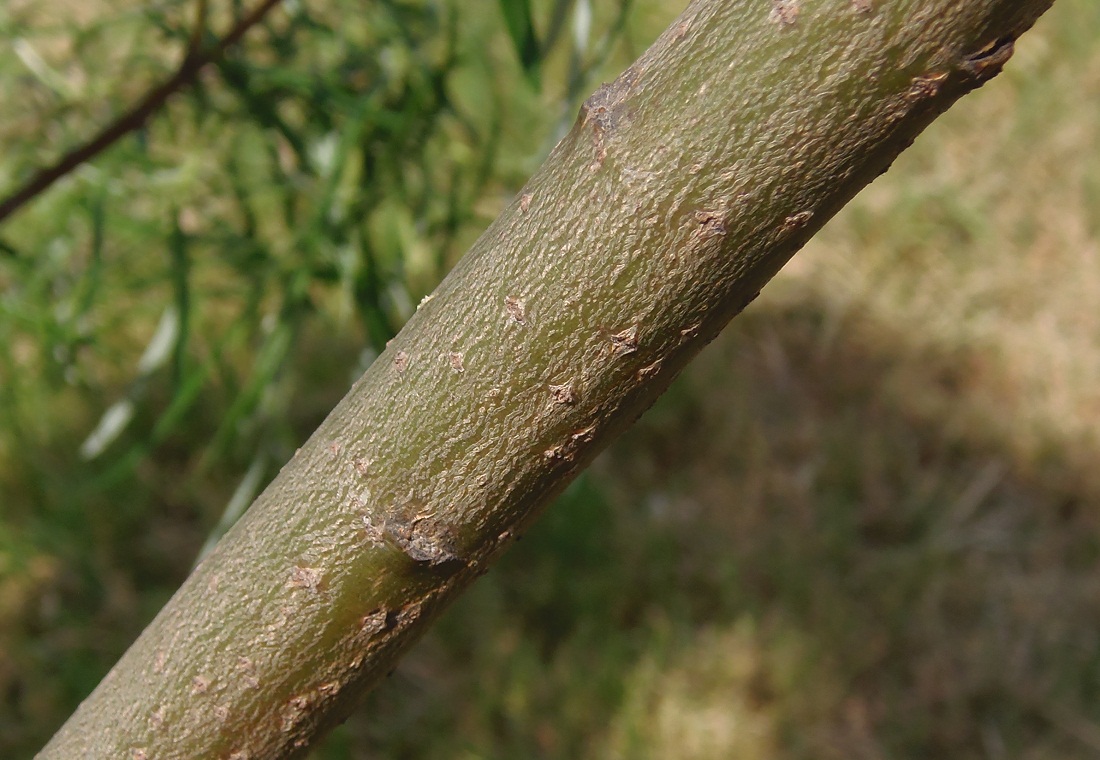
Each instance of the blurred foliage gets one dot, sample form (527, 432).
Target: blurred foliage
(178, 314)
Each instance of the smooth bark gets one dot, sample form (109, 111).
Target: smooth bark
(682, 188)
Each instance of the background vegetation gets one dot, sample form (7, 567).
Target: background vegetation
(865, 524)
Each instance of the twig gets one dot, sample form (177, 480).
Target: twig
(193, 61)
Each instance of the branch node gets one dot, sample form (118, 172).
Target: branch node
(988, 62)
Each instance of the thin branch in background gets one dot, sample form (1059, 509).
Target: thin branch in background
(195, 59)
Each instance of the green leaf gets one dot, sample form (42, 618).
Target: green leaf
(521, 28)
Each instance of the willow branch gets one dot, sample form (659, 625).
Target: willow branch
(680, 190)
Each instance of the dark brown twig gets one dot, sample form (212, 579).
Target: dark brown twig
(133, 119)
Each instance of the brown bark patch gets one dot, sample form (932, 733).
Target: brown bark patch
(516, 308)
(785, 12)
(563, 394)
(423, 539)
(305, 577)
(625, 341)
(988, 62)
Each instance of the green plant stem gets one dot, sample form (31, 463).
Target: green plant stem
(681, 189)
